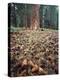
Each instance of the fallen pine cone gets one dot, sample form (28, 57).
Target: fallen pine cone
(41, 71)
(24, 63)
(23, 73)
(30, 63)
(35, 68)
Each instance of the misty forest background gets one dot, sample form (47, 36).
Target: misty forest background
(21, 15)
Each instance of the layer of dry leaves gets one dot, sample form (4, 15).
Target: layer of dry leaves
(34, 52)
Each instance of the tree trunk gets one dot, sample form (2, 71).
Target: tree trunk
(35, 17)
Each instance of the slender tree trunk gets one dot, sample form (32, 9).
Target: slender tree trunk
(15, 23)
(25, 16)
(35, 17)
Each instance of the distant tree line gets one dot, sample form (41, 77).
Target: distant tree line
(33, 15)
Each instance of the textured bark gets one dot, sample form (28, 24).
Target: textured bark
(35, 17)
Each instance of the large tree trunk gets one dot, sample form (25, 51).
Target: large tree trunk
(35, 17)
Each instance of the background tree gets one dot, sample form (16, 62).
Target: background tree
(35, 16)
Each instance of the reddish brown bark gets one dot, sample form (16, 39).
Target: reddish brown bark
(35, 17)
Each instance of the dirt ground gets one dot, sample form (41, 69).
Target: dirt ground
(34, 52)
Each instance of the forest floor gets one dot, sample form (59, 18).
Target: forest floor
(34, 52)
